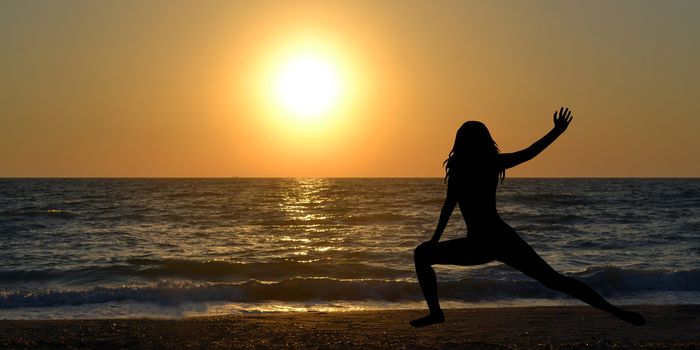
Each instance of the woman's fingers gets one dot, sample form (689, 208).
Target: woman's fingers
(562, 113)
(562, 117)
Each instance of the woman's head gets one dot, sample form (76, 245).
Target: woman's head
(474, 148)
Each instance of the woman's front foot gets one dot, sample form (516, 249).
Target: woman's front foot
(433, 318)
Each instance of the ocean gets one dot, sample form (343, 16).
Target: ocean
(97, 248)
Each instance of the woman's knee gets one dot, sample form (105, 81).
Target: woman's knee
(423, 252)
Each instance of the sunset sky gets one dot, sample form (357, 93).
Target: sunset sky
(353, 88)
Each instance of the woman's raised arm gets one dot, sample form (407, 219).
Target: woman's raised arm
(562, 118)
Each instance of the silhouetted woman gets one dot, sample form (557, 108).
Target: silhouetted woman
(474, 168)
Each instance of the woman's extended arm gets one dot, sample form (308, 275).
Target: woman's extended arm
(562, 118)
(445, 213)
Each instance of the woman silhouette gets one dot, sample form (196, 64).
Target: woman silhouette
(474, 168)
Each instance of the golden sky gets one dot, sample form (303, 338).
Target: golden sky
(187, 89)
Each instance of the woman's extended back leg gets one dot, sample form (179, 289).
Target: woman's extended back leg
(522, 257)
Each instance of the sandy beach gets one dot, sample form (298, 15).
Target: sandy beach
(668, 327)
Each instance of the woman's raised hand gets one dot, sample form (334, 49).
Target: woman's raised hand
(562, 118)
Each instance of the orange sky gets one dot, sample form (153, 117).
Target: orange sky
(171, 89)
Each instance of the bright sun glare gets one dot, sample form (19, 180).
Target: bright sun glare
(308, 86)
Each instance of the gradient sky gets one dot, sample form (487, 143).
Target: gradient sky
(172, 89)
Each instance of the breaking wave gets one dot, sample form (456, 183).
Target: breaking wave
(608, 280)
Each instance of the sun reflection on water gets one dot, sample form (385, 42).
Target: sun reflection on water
(304, 203)
(303, 200)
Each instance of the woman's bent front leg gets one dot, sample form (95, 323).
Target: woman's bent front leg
(422, 257)
(453, 252)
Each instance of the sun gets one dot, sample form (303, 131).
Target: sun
(307, 86)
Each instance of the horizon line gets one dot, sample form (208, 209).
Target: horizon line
(320, 177)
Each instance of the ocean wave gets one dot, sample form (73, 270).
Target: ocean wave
(608, 280)
(338, 216)
(47, 213)
(214, 270)
(384, 219)
(550, 219)
(690, 225)
(612, 278)
(551, 198)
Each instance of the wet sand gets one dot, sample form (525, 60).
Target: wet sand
(668, 327)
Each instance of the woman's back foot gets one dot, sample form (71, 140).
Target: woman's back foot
(632, 317)
(433, 318)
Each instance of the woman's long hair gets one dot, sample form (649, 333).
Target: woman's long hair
(474, 151)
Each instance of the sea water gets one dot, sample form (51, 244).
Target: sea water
(93, 248)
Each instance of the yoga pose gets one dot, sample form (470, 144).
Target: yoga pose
(474, 168)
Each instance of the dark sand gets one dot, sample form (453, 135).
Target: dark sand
(668, 327)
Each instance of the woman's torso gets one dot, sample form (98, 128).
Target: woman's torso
(476, 196)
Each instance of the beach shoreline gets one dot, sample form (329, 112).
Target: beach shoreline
(541, 327)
